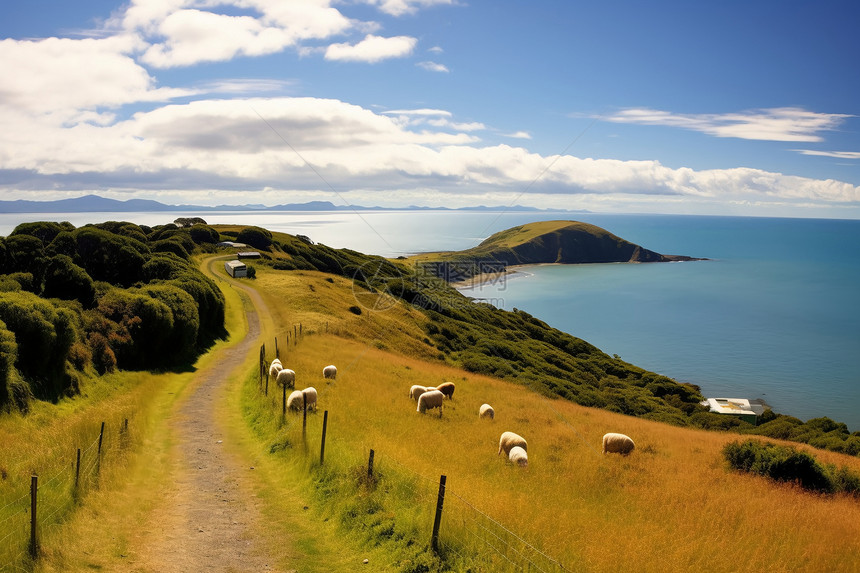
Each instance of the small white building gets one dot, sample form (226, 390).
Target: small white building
(735, 407)
(236, 269)
(232, 245)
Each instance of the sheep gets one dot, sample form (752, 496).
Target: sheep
(617, 444)
(519, 456)
(486, 411)
(275, 367)
(447, 388)
(311, 396)
(330, 371)
(417, 390)
(296, 400)
(286, 377)
(509, 440)
(429, 400)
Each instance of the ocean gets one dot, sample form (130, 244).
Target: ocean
(773, 314)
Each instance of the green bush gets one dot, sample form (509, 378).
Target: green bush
(66, 280)
(256, 237)
(786, 464)
(44, 334)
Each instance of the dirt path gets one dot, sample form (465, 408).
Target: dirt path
(208, 520)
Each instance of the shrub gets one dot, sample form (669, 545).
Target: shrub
(256, 237)
(203, 234)
(780, 463)
(66, 280)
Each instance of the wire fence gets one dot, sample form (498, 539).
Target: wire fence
(54, 492)
(458, 532)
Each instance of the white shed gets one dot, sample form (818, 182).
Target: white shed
(236, 269)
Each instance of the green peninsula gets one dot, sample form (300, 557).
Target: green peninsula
(544, 242)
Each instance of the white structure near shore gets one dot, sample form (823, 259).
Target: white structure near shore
(741, 407)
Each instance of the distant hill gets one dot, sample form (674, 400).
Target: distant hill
(96, 204)
(564, 242)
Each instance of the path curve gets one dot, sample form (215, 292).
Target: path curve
(211, 514)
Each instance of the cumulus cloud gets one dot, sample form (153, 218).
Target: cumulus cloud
(372, 49)
(62, 77)
(776, 124)
(182, 33)
(262, 142)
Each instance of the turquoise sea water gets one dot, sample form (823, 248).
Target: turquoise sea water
(774, 314)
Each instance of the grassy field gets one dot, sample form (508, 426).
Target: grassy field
(672, 504)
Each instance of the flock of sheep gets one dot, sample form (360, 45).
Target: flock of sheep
(428, 398)
(514, 445)
(298, 399)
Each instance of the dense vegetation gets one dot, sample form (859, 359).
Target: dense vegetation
(783, 463)
(77, 302)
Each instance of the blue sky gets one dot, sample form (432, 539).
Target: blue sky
(742, 108)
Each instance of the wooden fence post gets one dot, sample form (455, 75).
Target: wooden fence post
(322, 444)
(370, 466)
(78, 470)
(304, 413)
(440, 501)
(277, 352)
(34, 488)
(99, 454)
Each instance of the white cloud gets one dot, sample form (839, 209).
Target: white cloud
(372, 49)
(433, 67)
(776, 124)
(183, 33)
(519, 135)
(836, 154)
(60, 77)
(403, 7)
(256, 143)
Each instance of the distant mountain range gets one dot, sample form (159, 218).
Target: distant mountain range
(96, 204)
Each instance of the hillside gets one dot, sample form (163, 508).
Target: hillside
(562, 242)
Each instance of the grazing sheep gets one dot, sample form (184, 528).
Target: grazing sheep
(417, 390)
(330, 371)
(286, 377)
(295, 401)
(519, 456)
(486, 411)
(617, 444)
(275, 367)
(311, 395)
(429, 400)
(447, 388)
(509, 440)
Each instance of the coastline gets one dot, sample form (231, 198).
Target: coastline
(490, 278)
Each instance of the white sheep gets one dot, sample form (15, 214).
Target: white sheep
(486, 411)
(509, 440)
(286, 377)
(275, 367)
(447, 388)
(429, 400)
(617, 444)
(296, 400)
(519, 456)
(417, 390)
(330, 371)
(311, 396)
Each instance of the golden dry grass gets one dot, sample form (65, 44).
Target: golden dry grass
(671, 505)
